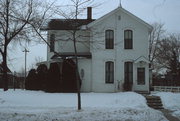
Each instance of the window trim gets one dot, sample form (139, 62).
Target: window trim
(128, 42)
(110, 73)
(109, 42)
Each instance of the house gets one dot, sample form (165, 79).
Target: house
(112, 50)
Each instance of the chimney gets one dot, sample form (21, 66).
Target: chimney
(89, 13)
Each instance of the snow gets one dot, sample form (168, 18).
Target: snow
(171, 101)
(21, 105)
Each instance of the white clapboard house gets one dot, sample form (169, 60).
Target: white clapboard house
(112, 50)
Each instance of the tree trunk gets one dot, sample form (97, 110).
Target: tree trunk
(4, 66)
(77, 73)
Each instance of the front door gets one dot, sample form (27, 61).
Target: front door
(141, 76)
(141, 84)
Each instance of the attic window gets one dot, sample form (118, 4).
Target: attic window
(119, 17)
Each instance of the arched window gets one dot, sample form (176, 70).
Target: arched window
(128, 72)
(109, 38)
(109, 72)
(52, 40)
(128, 39)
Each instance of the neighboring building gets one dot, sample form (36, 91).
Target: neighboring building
(112, 50)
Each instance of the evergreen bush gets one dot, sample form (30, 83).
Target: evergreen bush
(31, 80)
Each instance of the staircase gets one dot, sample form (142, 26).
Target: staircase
(154, 102)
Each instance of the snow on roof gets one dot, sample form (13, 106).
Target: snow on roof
(66, 24)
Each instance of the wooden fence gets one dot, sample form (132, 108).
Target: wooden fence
(167, 88)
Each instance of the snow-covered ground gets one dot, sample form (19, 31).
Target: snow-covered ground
(171, 101)
(23, 105)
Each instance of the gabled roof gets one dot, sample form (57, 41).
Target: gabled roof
(123, 10)
(75, 24)
(66, 24)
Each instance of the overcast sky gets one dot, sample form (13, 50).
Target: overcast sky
(162, 11)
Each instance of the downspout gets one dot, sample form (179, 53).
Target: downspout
(115, 40)
(91, 35)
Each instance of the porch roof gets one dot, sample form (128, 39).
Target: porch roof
(65, 55)
(141, 59)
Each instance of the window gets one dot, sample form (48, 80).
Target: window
(128, 39)
(141, 76)
(109, 75)
(109, 36)
(52, 40)
(128, 72)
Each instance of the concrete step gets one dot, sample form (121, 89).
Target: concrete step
(153, 97)
(157, 107)
(154, 102)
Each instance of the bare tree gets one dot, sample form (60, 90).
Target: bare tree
(168, 53)
(155, 37)
(71, 15)
(14, 25)
(77, 7)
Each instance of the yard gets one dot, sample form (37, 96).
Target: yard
(171, 101)
(21, 105)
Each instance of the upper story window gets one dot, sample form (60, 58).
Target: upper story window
(52, 40)
(128, 39)
(109, 38)
(109, 69)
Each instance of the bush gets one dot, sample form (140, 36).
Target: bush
(31, 80)
(69, 76)
(42, 76)
(53, 78)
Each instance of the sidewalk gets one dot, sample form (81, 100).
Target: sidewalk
(168, 115)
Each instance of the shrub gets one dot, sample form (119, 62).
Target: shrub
(69, 76)
(53, 78)
(31, 80)
(42, 76)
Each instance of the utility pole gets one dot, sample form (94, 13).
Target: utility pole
(25, 52)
